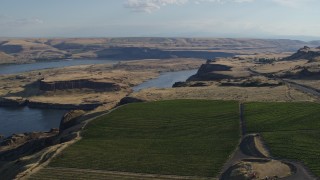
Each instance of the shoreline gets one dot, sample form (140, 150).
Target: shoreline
(34, 61)
(31, 163)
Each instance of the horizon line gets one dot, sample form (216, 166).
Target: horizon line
(175, 37)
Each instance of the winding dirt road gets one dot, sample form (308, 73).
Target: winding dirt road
(253, 152)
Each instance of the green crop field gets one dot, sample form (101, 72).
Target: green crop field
(291, 130)
(180, 137)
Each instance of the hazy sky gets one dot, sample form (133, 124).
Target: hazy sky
(174, 18)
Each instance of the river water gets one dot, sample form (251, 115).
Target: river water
(20, 120)
(24, 119)
(19, 68)
(166, 80)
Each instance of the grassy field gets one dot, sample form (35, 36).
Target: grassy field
(291, 130)
(180, 137)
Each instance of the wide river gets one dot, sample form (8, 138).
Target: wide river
(19, 68)
(20, 120)
(24, 119)
(166, 80)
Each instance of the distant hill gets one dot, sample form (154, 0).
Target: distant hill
(5, 58)
(26, 50)
(311, 54)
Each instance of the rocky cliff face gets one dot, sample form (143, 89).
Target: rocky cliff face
(19, 145)
(77, 84)
(45, 105)
(207, 72)
(207, 68)
(16, 102)
(70, 119)
(128, 100)
(189, 84)
(35, 146)
(311, 54)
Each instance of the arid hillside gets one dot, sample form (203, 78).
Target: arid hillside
(86, 86)
(311, 54)
(258, 77)
(29, 50)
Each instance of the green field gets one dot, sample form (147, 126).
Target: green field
(291, 130)
(180, 137)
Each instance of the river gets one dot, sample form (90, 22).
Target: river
(19, 120)
(166, 80)
(24, 119)
(19, 68)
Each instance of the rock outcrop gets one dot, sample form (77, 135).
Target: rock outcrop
(311, 54)
(207, 72)
(21, 151)
(19, 145)
(77, 84)
(207, 68)
(128, 100)
(189, 84)
(70, 119)
(19, 102)
(82, 106)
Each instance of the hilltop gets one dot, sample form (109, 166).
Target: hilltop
(40, 49)
(308, 53)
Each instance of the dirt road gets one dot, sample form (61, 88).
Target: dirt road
(248, 149)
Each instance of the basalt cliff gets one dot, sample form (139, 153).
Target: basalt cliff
(311, 54)
(78, 84)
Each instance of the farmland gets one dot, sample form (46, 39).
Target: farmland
(181, 137)
(291, 130)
